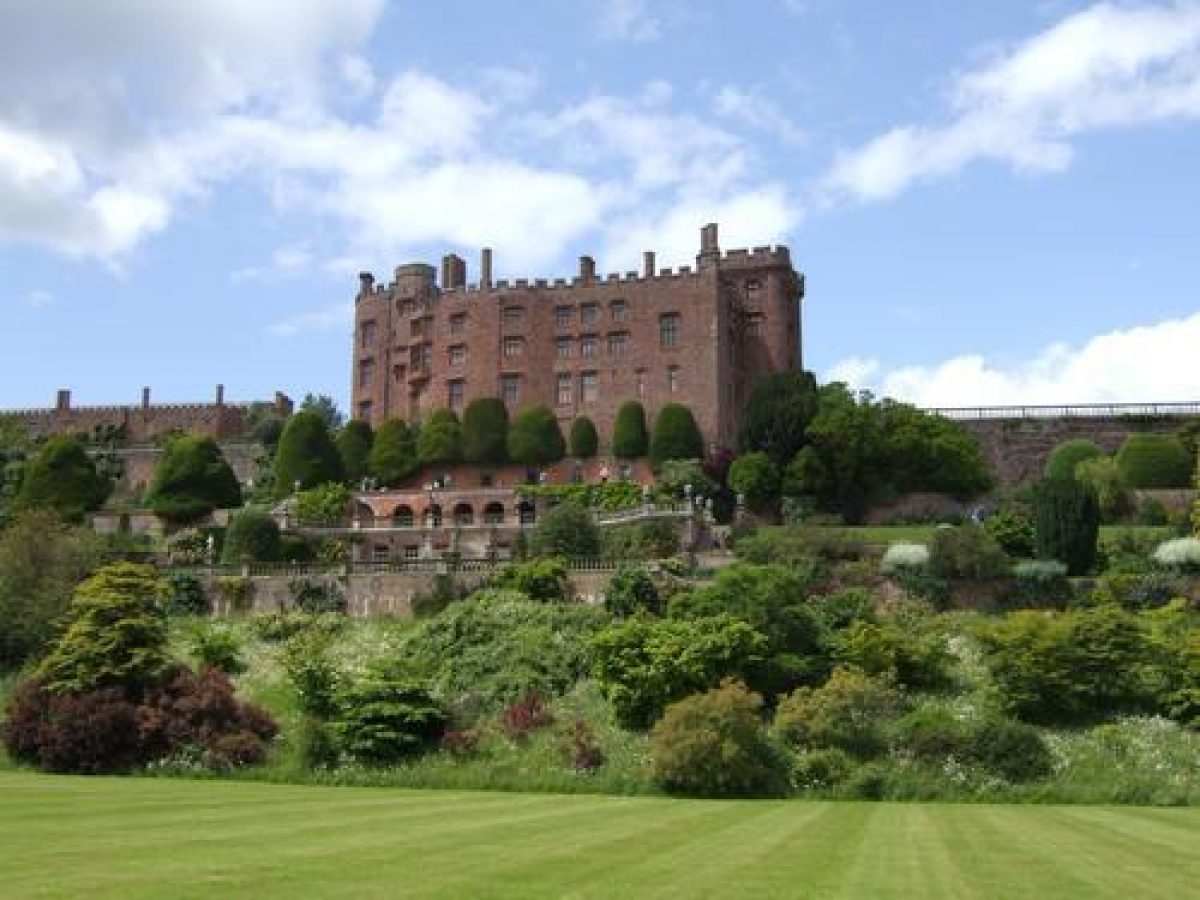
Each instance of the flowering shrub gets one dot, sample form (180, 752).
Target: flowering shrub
(1181, 554)
(586, 752)
(904, 558)
(526, 716)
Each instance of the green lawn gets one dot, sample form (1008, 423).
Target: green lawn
(168, 838)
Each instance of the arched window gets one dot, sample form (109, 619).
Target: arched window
(403, 517)
(526, 513)
(464, 514)
(493, 513)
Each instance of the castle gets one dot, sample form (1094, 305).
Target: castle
(698, 336)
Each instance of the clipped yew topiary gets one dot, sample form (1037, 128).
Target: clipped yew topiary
(306, 455)
(354, 446)
(630, 440)
(485, 431)
(1066, 523)
(440, 440)
(534, 439)
(1150, 461)
(394, 454)
(584, 440)
(252, 536)
(676, 435)
(1066, 456)
(191, 479)
(62, 478)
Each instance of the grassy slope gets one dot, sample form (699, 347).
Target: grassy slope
(147, 837)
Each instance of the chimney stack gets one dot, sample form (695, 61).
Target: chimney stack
(220, 395)
(709, 245)
(648, 264)
(63, 400)
(145, 399)
(454, 272)
(366, 283)
(587, 269)
(485, 269)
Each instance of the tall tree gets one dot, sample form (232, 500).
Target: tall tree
(325, 407)
(629, 431)
(535, 439)
(676, 435)
(778, 411)
(191, 479)
(354, 447)
(394, 454)
(485, 431)
(306, 455)
(584, 440)
(63, 478)
(440, 440)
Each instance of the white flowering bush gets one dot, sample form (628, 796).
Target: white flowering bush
(1181, 554)
(905, 558)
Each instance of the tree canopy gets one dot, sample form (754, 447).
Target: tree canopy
(485, 431)
(354, 447)
(306, 454)
(534, 438)
(584, 440)
(777, 413)
(441, 439)
(676, 435)
(63, 478)
(630, 440)
(393, 456)
(191, 479)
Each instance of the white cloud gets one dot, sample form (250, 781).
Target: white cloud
(753, 109)
(1151, 363)
(338, 317)
(628, 20)
(1109, 66)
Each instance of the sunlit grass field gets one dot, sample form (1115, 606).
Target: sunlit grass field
(142, 837)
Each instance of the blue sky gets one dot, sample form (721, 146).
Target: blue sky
(993, 202)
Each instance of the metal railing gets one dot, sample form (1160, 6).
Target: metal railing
(1069, 411)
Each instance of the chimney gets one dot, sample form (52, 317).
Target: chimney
(366, 283)
(709, 245)
(587, 269)
(220, 395)
(454, 272)
(648, 264)
(485, 268)
(63, 401)
(145, 399)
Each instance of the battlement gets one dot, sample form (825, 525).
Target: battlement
(412, 278)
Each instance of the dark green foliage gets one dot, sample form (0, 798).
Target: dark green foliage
(820, 770)
(1154, 461)
(756, 477)
(606, 496)
(932, 734)
(929, 453)
(185, 595)
(534, 438)
(631, 591)
(1066, 522)
(324, 407)
(1065, 668)
(496, 645)
(219, 648)
(41, 561)
(675, 476)
(485, 431)
(315, 597)
(567, 530)
(61, 477)
(714, 745)
(1066, 456)
(655, 539)
(772, 600)
(314, 678)
(1013, 750)
(630, 440)
(966, 551)
(306, 455)
(1151, 511)
(777, 414)
(15, 446)
(543, 580)
(354, 442)
(326, 505)
(676, 435)
(1103, 475)
(642, 665)
(387, 716)
(393, 456)
(850, 712)
(1012, 528)
(191, 479)
(584, 439)
(440, 440)
(252, 536)
(115, 634)
(912, 654)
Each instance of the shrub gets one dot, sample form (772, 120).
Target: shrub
(252, 536)
(820, 770)
(353, 444)
(1064, 458)
(777, 412)
(932, 733)
(631, 591)
(1139, 591)
(440, 439)
(62, 477)
(714, 745)
(1013, 750)
(1151, 461)
(676, 435)
(1151, 511)
(219, 648)
(387, 717)
(92, 733)
(1041, 583)
(314, 678)
(185, 595)
(629, 431)
(1012, 529)
(642, 665)
(584, 439)
(966, 551)
(460, 743)
(325, 505)
(913, 655)
(316, 597)
(756, 478)
(306, 455)
(586, 753)
(904, 558)
(567, 530)
(655, 539)
(534, 438)
(850, 712)
(485, 431)
(541, 580)
(191, 479)
(1104, 477)
(1066, 523)
(524, 716)
(393, 456)
(1179, 555)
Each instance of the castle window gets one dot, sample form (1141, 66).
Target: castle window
(366, 372)
(510, 388)
(513, 316)
(367, 333)
(562, 317)
(454, 393)
(587, 314)
(587, 346)
(618, 343)
(754, 323)
(379, 553)
(412, 551)
(417, 328)
(668, 330)
(458, 354)
(640, 382)
(563, 386)
(588, 387)
(619, 310)
(753, 286)
(364, 410)
(672, 379)
(563, 348)
(458, 323)
(512, 346)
